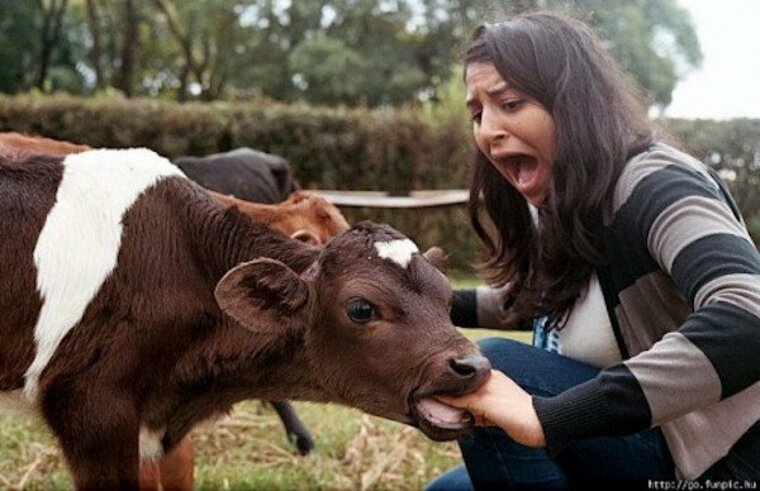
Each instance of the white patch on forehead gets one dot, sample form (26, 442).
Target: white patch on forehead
(400, 251)
(151, 448)
(79, 244)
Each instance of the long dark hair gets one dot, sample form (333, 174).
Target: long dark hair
(600, 122)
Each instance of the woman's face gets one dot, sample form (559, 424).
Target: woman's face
(513, 131)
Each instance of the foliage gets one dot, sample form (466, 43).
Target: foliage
(391, 150)
(354, 52)
(448, 109)
(26, 28)
(654, 40)
(733, 149)
(352, 149)
(320, 65)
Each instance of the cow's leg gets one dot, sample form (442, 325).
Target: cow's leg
(150, 475)
(294, 428)
(177, 467)
(99, 433)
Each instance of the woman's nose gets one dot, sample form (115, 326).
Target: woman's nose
(491, 127)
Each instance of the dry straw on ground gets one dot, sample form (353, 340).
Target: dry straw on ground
(248, 450)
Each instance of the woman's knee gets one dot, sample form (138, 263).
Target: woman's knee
(455, 479)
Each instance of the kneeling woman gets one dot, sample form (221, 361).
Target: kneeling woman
(627, 257)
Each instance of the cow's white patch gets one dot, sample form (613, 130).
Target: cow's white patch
(399, 251)
(79, 243)
(150, 444)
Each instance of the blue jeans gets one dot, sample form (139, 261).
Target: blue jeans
(494, 461)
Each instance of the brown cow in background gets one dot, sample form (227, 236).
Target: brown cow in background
(15, 145)
(304, 216)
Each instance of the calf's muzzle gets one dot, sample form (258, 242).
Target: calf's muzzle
(470, 367)
(439, 421)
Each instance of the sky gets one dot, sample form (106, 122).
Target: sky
(728, 83)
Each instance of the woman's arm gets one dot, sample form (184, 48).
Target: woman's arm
(501, 402)
(479, 307)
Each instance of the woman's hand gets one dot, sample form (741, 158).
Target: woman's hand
(501, 402)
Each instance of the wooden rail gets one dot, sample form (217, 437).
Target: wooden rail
(382, 199)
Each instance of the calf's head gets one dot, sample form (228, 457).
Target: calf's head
(310, 218)
(304, 216)
(373, 314)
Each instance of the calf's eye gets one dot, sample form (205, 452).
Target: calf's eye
(361, 311)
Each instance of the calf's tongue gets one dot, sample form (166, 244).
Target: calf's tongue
(440, 413)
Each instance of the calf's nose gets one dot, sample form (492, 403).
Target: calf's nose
(470, 366)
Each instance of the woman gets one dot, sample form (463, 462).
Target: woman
(637, 260)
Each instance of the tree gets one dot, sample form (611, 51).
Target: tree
(39, 47)
(373, 52)
(654, 40)
(95, 54)
(399, 51)
(207, 33)
(50, 33)
(320, 66)
(350, 51)
(129, 48)
(18, 45)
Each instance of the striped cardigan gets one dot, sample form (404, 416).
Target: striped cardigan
(682, 288)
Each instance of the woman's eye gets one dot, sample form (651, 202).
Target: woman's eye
(476, 117)
(361, 311)
(511, 104)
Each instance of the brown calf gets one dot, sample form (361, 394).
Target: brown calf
(14, 144)
(303, 216)
(135, 306)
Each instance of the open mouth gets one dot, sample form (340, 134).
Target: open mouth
(523, 169)
(440, 421)
(443, 416)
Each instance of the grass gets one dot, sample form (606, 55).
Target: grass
(249, 451)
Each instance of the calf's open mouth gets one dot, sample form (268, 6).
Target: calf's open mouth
(441, 415)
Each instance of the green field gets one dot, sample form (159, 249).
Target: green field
(249, 450)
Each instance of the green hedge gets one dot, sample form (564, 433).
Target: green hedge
(350, 149)
(733, 148)
(389, 150)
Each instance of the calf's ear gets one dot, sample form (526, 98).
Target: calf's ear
(264, 295)
(437, 258)
(307, 236)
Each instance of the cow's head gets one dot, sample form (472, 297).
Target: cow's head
(309, 218)
(373, 314)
